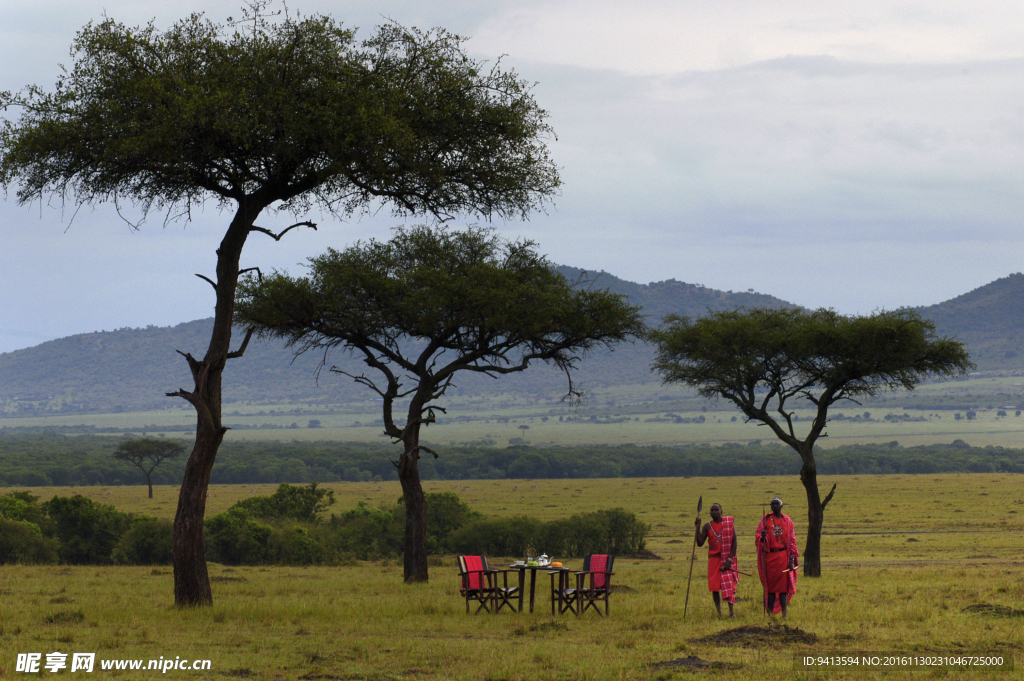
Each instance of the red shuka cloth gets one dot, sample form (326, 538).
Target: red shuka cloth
(719, 549)
(772, 535)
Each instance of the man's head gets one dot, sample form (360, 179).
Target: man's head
(776, 505)
(716, 512)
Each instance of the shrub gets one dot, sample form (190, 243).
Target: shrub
(304, 544)
(446, 513)
(298, 503)
(149, 541)
(616, 531)
(369, 534)
(517, 536)
(23, 542)
(88, 532)
(235, 538)
(22, 506)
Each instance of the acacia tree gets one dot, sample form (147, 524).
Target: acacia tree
(272, 114)
(765, 360)
(424, 306)
(147, 452)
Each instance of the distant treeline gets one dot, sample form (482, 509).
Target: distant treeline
(52, 459)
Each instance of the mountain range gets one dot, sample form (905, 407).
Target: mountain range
(132, 369)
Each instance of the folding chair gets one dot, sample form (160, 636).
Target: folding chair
(477, 583)
(563, 596)
(594, 583)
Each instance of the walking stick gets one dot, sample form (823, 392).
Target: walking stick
(693, 557)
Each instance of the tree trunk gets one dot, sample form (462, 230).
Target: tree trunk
(149, 481)
(415, 507)
(811, 558)
(191, 580)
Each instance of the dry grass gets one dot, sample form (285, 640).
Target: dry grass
(880, 592)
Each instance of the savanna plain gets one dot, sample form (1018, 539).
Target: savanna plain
(912, 565)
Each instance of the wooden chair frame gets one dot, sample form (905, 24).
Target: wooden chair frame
(589, 588)
(490, 596)
(504, 594)
(563, 597)
(483, 592)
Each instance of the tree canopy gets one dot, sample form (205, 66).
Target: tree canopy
(432, 301)
(425, 305)
(765, 360)
(289, 112)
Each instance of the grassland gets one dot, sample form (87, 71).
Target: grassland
(903, 557)
(620, 415)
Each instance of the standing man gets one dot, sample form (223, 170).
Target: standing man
(777, 558)
(722, 576)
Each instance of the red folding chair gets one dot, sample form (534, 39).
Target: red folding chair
(480, 584)
(594, 583)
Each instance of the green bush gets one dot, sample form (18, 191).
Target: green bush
(299, 503)
(235, 538)
(370, 533)
(21, 506)
(87, 531)
(149, 541)
(23, 542)
(616, 531)
(625, 534)
(304, 544)
(446, 513)
(517, 536)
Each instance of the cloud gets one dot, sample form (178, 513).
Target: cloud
(856, 156)
(671, 36)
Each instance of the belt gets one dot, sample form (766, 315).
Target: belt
(775, 550)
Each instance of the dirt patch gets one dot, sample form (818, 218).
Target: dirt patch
(695, 663)
(911, 540)
(674, 541)
(646, 554)
(228, 579)
(65, 617)
(541, 627)
(753, 636)
(622, 589)
(993, 610)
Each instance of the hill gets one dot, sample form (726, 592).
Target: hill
(131, 369)
(989, 319)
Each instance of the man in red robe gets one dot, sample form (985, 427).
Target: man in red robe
(722, 576)
(777, 558)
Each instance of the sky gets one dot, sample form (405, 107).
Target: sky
(859, 156)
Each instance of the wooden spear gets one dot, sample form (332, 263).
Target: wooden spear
(693, 557)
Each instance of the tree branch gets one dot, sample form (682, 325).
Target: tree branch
(426, 449)
(277, 237)
(829, 497)
(245, 343)
(207, 279)
(361, 379)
